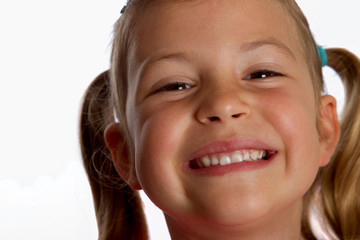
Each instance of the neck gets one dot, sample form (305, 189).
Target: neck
(282, 225)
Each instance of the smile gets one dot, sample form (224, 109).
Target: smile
(230, 158)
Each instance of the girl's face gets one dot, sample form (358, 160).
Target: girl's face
(220, 81)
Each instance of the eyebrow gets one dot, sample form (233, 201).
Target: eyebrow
(175, 57)
(246, 47)
(251, 46)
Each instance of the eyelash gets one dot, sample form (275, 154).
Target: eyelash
(262, 74)
(180, 86)
(175, 86)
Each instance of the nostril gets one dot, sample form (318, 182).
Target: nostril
(213, 119)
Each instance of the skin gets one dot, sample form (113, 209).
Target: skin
(208, 49)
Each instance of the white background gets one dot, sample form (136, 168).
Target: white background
(49, 53)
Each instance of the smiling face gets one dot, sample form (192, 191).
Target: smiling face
(222, 81)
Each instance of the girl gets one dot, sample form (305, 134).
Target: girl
(215, 109)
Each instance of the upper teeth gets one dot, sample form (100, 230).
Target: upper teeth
(235, 157)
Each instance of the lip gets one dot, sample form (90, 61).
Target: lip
(229, 146)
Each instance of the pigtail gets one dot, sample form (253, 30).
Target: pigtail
(341, 178)
(118, 208)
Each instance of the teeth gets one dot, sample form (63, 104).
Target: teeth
(254, 155)
(214, 160)
(236, 157)
(247, 156)
(206, 161)
(199, 163)
(225, 160)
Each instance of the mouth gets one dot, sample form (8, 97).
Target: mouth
(223, 159)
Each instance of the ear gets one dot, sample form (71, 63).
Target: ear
(120, 155)
(328, 127)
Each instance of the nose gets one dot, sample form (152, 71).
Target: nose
(223, 106)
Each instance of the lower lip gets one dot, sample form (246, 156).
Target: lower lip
(221, 170)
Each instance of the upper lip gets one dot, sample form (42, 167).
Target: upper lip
(227, 146)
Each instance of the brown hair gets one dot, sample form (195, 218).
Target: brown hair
(340, 180)
(118, 208)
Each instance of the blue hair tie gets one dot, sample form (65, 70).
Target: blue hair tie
(322, 55)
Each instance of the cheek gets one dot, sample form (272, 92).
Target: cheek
(159, 130)
(158, 135)
(293, 117)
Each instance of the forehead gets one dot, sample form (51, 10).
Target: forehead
(190, 25)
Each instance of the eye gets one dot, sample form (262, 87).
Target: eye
(261, 74)
(175, 86)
